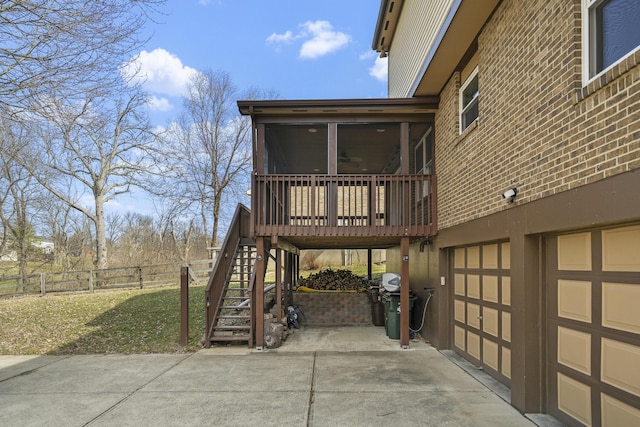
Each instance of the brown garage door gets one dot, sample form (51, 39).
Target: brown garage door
(594, 327)
(482, 307)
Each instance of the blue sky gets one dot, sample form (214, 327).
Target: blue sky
(302, 49)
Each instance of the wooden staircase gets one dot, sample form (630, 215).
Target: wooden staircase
(229, 291)
(233, 318)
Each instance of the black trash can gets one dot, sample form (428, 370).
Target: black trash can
(377, 307)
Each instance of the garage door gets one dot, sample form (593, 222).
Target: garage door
(482, 307)
(594, 327)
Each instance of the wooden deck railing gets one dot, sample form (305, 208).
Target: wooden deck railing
(344, 205)
(238, 229)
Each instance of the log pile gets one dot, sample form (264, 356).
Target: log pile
(335, 280)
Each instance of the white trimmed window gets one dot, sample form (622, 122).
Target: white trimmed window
(610, 33)
(469, 100)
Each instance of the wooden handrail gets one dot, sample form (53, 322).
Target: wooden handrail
(223, 267)
(252, 280)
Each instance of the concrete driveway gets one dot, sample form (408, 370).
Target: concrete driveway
(320, 377)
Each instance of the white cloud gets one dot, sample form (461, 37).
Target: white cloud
(159, 104)
(160, 72)
(380, 70)
(287, 37)
(324, 40)
(368, 54)
(320, 39)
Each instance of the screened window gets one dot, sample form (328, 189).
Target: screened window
(469, 101)
(612, 31)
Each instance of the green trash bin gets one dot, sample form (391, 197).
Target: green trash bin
(392, 314)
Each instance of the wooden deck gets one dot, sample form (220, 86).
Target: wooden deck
(344, 210)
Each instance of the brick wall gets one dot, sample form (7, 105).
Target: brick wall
(334, 309)
(538, 128)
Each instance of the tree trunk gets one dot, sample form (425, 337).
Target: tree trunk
(101, 235)
(216, 219)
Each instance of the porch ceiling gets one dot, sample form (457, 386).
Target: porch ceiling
(352, 242)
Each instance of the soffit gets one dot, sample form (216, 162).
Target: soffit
(444, 57)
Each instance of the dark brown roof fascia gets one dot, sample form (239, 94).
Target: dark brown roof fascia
(247, 107)
(386, 24)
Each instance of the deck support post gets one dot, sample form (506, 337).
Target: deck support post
(258, 310)
(279, 283)
(184, 305)
(288, 278)
(404, 292)
(369, 264)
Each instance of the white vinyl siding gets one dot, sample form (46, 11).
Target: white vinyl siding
(419, 24)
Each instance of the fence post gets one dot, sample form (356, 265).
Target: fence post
(42, 284)
(140, 277)
(184, 305)
(91, 281)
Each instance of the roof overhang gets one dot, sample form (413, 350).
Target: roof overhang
(317, 107)
(386, 26)
(459, 30)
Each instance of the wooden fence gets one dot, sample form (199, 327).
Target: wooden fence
(112, 278)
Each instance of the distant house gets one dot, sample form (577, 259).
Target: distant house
(46, 246)
(10, 256)
(502, 172)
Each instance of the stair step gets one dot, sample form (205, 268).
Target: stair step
(230, 338)
(231, 328)
(236, 294)
(235, 307)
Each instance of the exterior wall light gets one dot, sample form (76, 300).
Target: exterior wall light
(510, 195)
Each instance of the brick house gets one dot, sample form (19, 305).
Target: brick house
(502, 171)
(540, 100)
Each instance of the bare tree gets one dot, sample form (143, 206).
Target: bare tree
(211, 147)
(63, 225)
(96, 150)
(18, 196)
(65, 48)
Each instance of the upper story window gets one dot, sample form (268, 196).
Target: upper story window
(469, 100)
(611, 32)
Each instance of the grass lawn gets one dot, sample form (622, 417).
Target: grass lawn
(119, 321)
(116, 321)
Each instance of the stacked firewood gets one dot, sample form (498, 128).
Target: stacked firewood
(334, 280)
